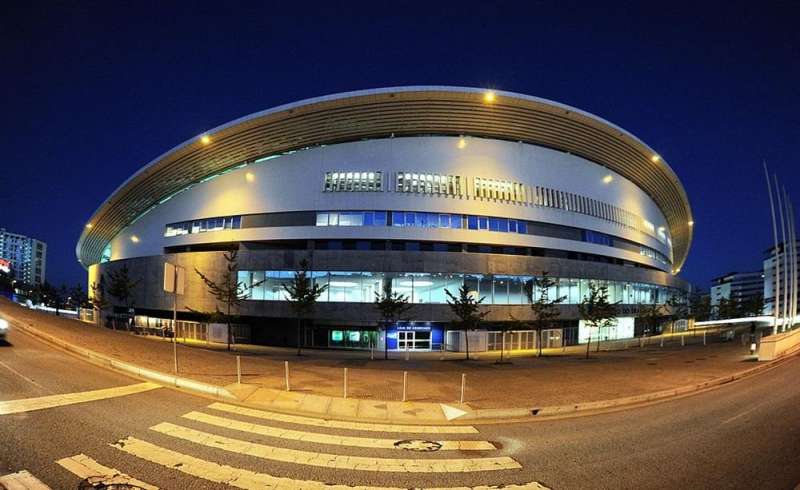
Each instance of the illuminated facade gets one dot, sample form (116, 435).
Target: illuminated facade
(426, 188)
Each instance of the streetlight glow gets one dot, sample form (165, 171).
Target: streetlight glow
(205, 139)
(489, 97)
(655, 158)
(250, 177)
(134, 239)
(462, 143)
(607, 179)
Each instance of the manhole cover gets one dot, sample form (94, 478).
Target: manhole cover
(418, 445)
(115, 482)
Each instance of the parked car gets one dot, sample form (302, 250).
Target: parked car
(3, 329)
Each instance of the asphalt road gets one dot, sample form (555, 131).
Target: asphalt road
(743, 435)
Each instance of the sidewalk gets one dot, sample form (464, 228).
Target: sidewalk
(318, 375)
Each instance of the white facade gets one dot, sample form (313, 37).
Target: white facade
(295, 182)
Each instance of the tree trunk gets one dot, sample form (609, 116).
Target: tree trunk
(299, 335)
(228, 320)
(539, 341)
(385, 342)
(588, 343)
(466, 342)
(502, 344)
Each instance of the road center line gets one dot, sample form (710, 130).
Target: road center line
(85, 467)
(336, 424)
(51, 401)
(358, 463)
(318, 438)
(242, 478)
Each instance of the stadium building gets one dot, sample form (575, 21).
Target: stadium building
(427, 188)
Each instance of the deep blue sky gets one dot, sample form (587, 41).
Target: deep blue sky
(91, 91)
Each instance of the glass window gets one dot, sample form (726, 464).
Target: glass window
(379, 218)
(472, 222)
(483, 223)
(501, 290)
(345, 287)
(322, 219)
(368, 218)
(398, 218)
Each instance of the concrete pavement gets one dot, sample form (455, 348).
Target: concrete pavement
(742, 435)
(319, 376)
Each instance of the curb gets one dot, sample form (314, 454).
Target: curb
(485, 414)
(616, 403)
(131, 369)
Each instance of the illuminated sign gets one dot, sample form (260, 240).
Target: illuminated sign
(337, 335)
(5, 265)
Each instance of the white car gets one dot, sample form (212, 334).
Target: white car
(3, 329)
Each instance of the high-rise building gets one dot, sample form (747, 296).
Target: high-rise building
(769, 276)
(739, 287)
(27, 256)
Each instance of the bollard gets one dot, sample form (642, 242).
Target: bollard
(286, 370)
(704, 337)
(463, 385)
(405, 384)
(345, 382)
(175, 354)
(238, 370)
(683, 337)
(371, 350)
(662, 340)
(407, 354)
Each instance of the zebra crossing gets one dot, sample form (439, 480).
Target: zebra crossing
(260, 437)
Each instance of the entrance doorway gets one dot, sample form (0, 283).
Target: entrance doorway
(413, 340)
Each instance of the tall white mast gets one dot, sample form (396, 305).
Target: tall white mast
(793, 238)
(783, 240)
(776, 288)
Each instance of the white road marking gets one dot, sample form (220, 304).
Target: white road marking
(317, 438)
(41, 403)
(242, 478)
(21, 480)
(336, 424)
(85, 467)
(451, 413)
(359, 463)
(19, 374)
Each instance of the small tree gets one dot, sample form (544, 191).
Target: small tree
(78, 297)
(228, 291)
(391, 306)
(752, 306)
(467, 310)
(650, 315)
(122, 287)
(544, 309)
(699, 307)
(597, 312)
(98, 299)
(303, 294)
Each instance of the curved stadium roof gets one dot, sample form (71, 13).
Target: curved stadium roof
(398, 111)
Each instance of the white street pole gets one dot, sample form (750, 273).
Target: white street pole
(345, 382)
(463, 385)
(785, 267)
(286, 373)
(405, 384)
(238, 370)
(776, 288)
(175, 321)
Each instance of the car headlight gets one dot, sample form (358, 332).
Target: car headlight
(3, 325)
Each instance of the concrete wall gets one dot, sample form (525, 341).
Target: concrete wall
(294, 182)
(779, 345)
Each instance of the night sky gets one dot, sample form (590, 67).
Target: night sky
(93, 91)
